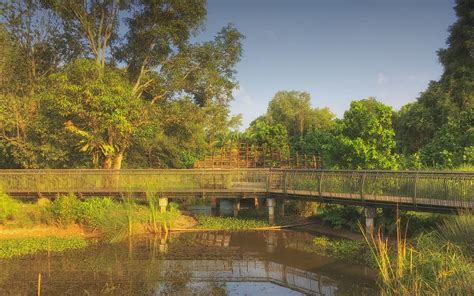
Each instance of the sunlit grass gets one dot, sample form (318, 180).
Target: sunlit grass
(427, 266)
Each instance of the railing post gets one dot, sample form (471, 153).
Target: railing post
(414, 193)
(321, 185)
(285, 182)
(362, 185)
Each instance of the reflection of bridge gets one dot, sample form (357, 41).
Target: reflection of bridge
(253, 271)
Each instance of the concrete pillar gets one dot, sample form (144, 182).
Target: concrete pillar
(370, 213)
(214, 205)
(163, 203)
(236, 207)
(282, 208)
(271, 210)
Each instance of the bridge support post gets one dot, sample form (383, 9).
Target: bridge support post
(370, 213)
(282, 208)
(236, 207)
(256, 203)
(163, 203)
(271, 210)
(214, 205)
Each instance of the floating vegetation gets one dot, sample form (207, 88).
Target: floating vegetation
(229, 223)
(10, 248)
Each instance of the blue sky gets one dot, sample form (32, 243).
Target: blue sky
(338, 50)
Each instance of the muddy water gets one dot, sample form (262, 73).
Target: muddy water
(214, 263)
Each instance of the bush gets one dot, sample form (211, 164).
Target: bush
(341, 216)
(8, 208)
(63, 211)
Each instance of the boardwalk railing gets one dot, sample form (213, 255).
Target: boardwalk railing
(416, 188)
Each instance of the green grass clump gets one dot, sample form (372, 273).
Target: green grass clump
(8, 208)
(26, 246)
(229, 223)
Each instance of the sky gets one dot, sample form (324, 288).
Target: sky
(337, 50)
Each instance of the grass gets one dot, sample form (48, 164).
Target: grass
(26, 246)
(460, 231)
(428, 265)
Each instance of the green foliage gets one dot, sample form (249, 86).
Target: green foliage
(26, 246)
(341, 216)
(63, 211)
(272, 137)
(341, 248)
(366, 139)
(8, 208)
(229, 223)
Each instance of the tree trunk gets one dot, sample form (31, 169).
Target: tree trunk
(107, 162)
(117, 161)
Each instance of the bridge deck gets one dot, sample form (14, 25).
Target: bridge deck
(445, 191)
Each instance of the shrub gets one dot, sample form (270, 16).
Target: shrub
(63, 211)
(8, 207)
(341, 216)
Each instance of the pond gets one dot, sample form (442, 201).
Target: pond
(198, 263)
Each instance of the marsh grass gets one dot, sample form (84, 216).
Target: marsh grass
(428, 266)
(460, 231)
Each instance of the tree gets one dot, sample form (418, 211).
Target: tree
(96, 106)
(431, 127)
(291, 109)
(153, 60)
(272, 137)
(366, 138)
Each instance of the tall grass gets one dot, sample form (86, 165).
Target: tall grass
(428, 266)
(460, 231)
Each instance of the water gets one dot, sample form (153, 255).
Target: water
(209, 263)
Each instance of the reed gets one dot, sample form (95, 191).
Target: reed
(428, 266)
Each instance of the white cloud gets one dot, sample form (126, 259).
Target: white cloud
(241, 95)
(381, 78)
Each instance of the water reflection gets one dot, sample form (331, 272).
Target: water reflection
(255, 263)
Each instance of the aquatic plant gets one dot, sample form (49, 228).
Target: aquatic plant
(229, 223)
(340, 248)
(25, 246)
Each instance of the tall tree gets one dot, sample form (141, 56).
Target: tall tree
(366, 139)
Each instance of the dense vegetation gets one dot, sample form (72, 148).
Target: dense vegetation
(77, 91)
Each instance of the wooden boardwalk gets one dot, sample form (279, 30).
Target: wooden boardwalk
(416, 190)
